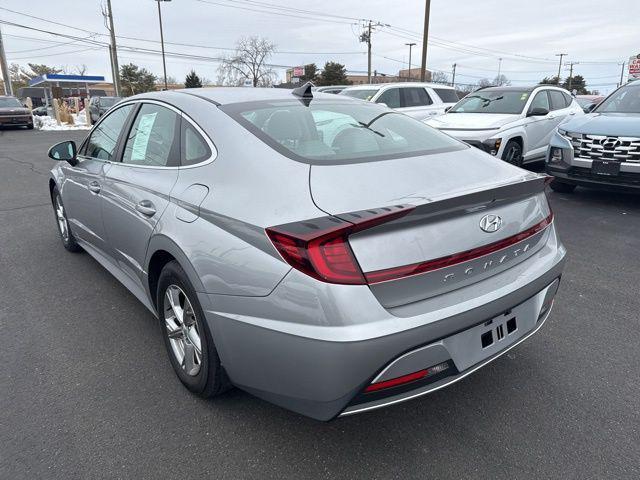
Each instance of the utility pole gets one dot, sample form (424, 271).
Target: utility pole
(560, 65)
(8, 90)
(410, 45)
(365, 37)
(164, 64)
(453, 76)
(114, 51)
(499, 82)
(369, 54)
(621, 71)
(425, 38)
(571, 64)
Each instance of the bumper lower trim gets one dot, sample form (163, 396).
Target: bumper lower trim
(446, 381)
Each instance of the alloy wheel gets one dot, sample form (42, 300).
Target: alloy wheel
(182, 330)
(63, 226)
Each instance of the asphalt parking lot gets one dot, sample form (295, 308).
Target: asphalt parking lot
(87, 391)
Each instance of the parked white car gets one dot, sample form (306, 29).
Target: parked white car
(416, 99)
(512, 123)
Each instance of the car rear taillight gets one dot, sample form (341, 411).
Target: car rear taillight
(320, 248)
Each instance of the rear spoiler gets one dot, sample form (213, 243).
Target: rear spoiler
(482, 197)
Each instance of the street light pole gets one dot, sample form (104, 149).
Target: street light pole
(410, 45)
(164, 64)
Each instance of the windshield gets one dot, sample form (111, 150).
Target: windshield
(10, 103)
(492, 101)
(623, 100)
(362, 94)
(328, 133)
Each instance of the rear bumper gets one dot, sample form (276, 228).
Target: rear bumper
(314, 351)
(17, 120)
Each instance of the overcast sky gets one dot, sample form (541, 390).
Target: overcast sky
(526, 35)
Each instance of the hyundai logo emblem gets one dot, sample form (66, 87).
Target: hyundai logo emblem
(490, 223)
(611, 143)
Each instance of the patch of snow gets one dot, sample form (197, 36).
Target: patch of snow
(48, 123)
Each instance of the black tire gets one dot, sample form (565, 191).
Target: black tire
(513, 153)
(30, 126)
(210, 379)
(562, 187)
(68, 241)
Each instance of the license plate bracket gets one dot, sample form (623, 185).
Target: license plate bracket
(609, 168)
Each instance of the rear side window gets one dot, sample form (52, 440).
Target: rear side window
(154, 138)
(104, 138)
(415, 97)
(557, 100)
(194, 148)
(447, 95)
(390, 97)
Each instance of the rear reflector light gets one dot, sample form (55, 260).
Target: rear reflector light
(404, 379)
(320, 247)
(442, 262)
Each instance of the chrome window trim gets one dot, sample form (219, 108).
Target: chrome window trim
(212, 147)
(88, 137)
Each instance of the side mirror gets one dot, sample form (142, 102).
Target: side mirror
(538, 112)
(590, 108)
(447, 108)
(64, 151)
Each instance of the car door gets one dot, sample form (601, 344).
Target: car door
(82, 188)
(416, 102)
(137, 188)
(537, 127)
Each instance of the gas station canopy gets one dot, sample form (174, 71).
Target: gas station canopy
(58, 85)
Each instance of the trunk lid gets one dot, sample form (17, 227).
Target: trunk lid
(450, 194)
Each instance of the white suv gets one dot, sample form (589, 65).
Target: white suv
(418, 100)
(512, 123)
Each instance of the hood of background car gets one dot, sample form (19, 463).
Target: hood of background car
(14, 111)
(611, 124)
(472, 121)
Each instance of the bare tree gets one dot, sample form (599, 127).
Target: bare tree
(439, 77)
(249, 62)
(81, 69)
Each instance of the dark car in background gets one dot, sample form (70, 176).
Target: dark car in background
(601, 149)
(13, 113)
(98, 106)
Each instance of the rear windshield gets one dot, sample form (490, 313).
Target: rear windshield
(109, 101)
(362, 94)
(328, 133)
(447, 95)
(9, 103)
(492, 101)
(623, 100)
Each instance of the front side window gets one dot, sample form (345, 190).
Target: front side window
(104, 138)
(154, 138)
(623, 100)
(415, 97)
(390, 97)
(493, 101)
(541, 100)
(337, 133)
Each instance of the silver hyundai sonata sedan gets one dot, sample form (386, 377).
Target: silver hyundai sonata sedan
(329, 255)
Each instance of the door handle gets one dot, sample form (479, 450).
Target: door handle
(147, 208)
(94, 187)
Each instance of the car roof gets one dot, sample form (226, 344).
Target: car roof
(229, 95)
(377, 86)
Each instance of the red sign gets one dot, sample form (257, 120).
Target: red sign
(634, 67)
